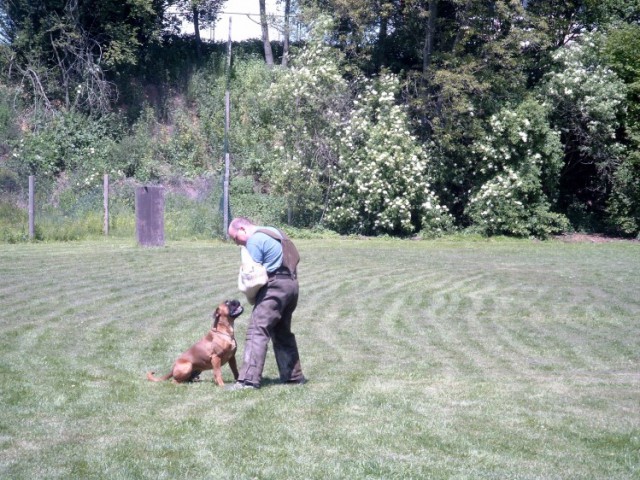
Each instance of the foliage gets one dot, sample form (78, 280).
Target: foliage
(261, 208)
(481, 60)
(306, 106)
(70, 213)
(624, 203)
(512, 205)
(520, 162)
(587, 100)
(8, 120)
(620, 52)
(250, 121)
(605, 13)
(68, 142)
(183, 145)
(381, 180)
(13, 222)
(621, 48)
(133, 155)
(154, 151)
(61, 51)
(461, 66)
(9, 181)
(205, 11)
(194, 218)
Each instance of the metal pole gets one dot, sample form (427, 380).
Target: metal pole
(32, 208)
(227, 111)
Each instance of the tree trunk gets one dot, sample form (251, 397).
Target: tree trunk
(427, 51)
(381, 50)
(462, 16)
(268, 53)
(285, 46)
(196, 27)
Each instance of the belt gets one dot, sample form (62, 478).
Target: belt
(282, 272)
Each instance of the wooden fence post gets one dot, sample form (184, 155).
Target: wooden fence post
(32, 208)
(150, 216)
(105, 188)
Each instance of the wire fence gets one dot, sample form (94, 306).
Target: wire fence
(192, 209)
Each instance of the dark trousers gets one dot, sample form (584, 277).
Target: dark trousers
(271, 319)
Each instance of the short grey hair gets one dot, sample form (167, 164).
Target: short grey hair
(240, 222)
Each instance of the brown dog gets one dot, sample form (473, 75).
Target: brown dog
(214, 350)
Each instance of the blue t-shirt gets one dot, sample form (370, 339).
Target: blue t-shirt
(265, 250)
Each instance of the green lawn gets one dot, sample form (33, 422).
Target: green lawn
(448, 359)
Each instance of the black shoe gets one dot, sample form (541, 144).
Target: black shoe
(241, 386)
(301, 381)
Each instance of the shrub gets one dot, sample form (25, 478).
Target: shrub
(134, 154)
(623, 206)
(68, 142)
(509, 204)
(192, 218)
(9, 182)
(8, 127)
(587, 102)
(519, 165)
(381, 180)
(261, 208)
(306, 105)
(13, 222)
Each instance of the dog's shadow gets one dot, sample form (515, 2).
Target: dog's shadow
(266, 381)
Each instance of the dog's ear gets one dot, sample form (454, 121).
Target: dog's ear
(216, 317)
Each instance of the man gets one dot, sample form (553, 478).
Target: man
(274, 306)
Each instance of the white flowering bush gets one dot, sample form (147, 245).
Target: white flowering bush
(587, 99)
(381, 182)
(509, 204)
(306, 108)
(519, 167)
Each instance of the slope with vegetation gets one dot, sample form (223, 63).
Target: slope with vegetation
(388, 118)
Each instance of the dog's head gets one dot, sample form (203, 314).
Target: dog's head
(231, 309)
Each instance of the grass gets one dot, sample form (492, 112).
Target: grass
(438, 359)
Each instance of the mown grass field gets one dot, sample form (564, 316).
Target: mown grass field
(449, 359)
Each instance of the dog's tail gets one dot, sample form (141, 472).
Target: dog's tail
(161, 379)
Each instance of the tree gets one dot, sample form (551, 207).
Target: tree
(307, 103)
(519, 167)
(476, 61)
(604, 13)
(65, 50)
(560, 20)
(361, 29)
(620, 52)
(286, 32)
(264, 24)
(202, 13)
(5, 24)
(587, 100)
(382, 181)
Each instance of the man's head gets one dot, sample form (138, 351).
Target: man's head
(240, 229)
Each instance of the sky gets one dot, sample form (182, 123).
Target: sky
(242, 26)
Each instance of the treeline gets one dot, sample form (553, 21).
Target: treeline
(390, 117)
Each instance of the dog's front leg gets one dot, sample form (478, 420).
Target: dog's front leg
(216, 363)
(234, 367)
